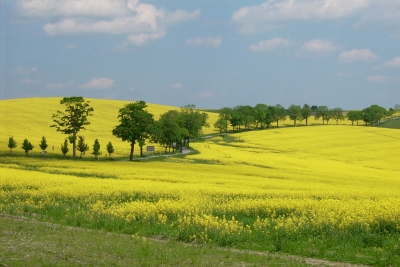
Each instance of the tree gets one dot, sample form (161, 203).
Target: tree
(43, 144)
(110, 149)
(82, 146)
(11, 144)
(169, 130)
(193, 121)
(73, 119)
(96, 149)
(260, 113)
(324, 113)
(221, 124)
(27, 146)
(64, 147)
(248, 115)
(314, 108)
(306, 112)
(281, 112)
(337, 114)
(135, 124)
(373, 114)
(236, 120)
(354, 115)
(294, 113)
(397, 109)
(271, 115)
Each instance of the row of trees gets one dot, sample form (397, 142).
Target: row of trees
(136, 125)
(261, 115)
(81, 146)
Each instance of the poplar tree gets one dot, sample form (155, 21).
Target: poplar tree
(82, 146)
(64, 147)
(43, 144)
(110, 148)
(96, 149)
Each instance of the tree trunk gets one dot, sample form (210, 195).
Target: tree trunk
(188, 142)
(141, 151)
(132, 148)
(74, 145)
(277, 124)
(306, 121)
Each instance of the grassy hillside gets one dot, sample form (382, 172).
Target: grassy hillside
(31, 118)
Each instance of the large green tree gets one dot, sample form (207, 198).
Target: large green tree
(134, 124)
(337, 114)
(294, 113)
(271, 115)
(324, 113)
(169, 130)
(221, 124)
(260, 113)
(193, 121)
(373, 114)
(73, 119)
(354, 115)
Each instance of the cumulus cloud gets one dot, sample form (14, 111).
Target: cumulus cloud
(317, 47)
(207, 41)
(141, 22)
(394, 63)
(256, 18)
(23, 70)
(377, 78)
(269, 45)
(98, 83)
(56, 86)
(357, 55)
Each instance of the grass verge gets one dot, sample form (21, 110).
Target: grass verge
(27, 242)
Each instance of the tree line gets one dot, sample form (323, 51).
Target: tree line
(174, 129)
(263, 116)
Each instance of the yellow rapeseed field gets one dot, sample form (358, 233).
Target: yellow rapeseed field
(304, 183)
(31, 118)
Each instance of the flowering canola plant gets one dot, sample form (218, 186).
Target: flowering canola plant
(257, 187)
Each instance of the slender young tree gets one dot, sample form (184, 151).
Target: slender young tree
(282, 114)
(82, 146)
(27, 146)
(96, 149)
(43, 144)
(221, 124)
(11, 144)
(337, 114)
(64, 147)
(73, 119)
(110, 149)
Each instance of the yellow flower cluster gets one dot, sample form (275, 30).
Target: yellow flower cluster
(286, 180)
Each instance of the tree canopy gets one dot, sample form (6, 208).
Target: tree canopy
(135, 124)
(73, 119)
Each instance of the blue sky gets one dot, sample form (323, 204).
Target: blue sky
(338, 53)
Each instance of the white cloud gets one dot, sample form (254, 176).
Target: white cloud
(394, 63)
(269, 45)
(176, 86)
(252, 19)
(378, 78)
(141, 22)
(55, 86)
(29, 81)
(98, 83)
(317, 47)
(357, 55)
(23, 70)
(207, 41)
